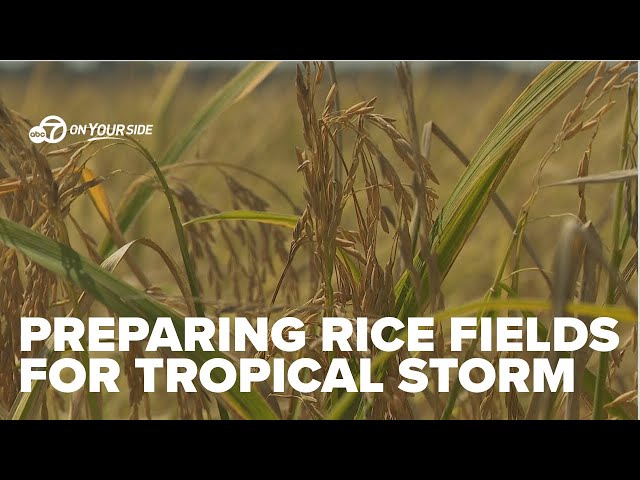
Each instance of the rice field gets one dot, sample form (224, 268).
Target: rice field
(321, 189)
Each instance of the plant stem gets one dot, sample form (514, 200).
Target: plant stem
(182, 242)
(494, 292)
(177, 224)
(616, 258)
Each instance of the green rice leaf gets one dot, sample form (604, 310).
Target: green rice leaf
(467, 202)
(124, 300)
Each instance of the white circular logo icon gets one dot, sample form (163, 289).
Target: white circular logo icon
(38, 134)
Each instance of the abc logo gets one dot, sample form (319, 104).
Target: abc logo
(38, 134)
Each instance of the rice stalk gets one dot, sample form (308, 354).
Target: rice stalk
(619, 243)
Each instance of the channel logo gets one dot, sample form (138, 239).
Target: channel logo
(53, 129)
(56, 133)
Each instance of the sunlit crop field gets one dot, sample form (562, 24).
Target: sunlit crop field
(367, 186)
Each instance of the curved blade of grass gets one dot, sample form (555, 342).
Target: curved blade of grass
(497, 200)
(182, 241)
(472, 192)
(620, 313)
(178, 275)
(609, 177)
(122, 299)
(163, 101)
(280, 219)
(236, 89)
(168, 91)
(623, 314)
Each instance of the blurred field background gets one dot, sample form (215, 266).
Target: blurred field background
(260, 133)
